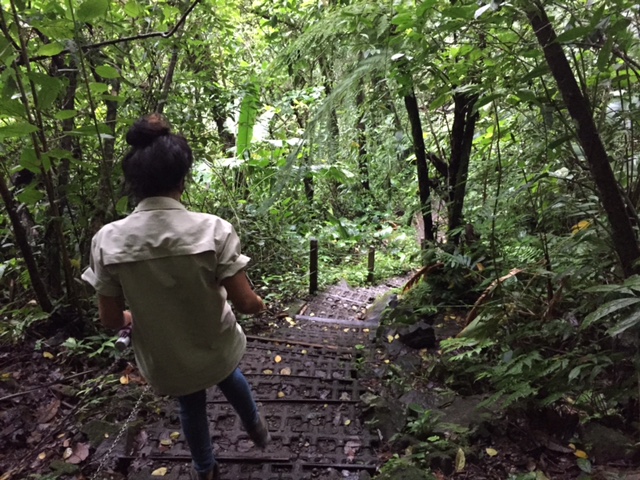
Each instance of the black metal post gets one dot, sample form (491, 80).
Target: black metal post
(313, 266)
(372, 264)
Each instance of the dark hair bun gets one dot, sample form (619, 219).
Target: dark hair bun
(147, 129)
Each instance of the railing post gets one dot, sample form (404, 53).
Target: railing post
(372, 263)
(313, 266)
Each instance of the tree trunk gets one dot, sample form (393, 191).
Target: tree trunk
(464, 124)
(623, 237)
(309, 188)
(40, 147)
(27, 253)
(363, 161)
(168, 79)
(308, 180)
(411, 104)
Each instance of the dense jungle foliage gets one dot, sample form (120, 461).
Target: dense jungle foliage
(507, 134)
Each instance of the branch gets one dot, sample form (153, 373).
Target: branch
(142, 36)
(439, 164)
(46, 385)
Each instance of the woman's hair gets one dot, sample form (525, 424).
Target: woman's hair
(158, 161)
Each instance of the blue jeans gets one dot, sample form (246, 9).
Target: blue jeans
(195, 423)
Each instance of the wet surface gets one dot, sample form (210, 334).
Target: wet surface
(305, 379)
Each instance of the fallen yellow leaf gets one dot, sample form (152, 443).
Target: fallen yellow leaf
(174, 435)
(347, 422)
(48, 355)
(572, 447)
(461, 461)
(285, 371)
(278, 359)
(268, 372)
(281, 395)
(42, 456)
(365, 330)
(67, 453)
(390, 338)
(124, 380)
(166, 442)
(303, 352)
(578, 227)
(386, 360)
(346, 330)
(159, 472)
(581, 454)
(492, 452)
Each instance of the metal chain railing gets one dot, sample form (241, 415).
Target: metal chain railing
(125, 426)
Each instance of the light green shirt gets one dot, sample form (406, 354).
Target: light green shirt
(168, 263)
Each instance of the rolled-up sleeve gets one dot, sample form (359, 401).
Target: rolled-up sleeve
(230, 260)
(98, 276)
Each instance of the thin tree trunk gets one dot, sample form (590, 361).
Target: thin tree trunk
(40, 147)
(51, 245)
(464, 125)
(411, 104)
(623, 237)
(106, 199)
(23, 243)
(227, 138)
(363, 161)
(168, 79)
(308, 180)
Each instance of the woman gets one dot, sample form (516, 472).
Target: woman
(176, 270)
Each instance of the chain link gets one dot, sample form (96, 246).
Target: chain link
(125, 426)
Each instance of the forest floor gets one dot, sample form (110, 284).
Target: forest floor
(54, 400)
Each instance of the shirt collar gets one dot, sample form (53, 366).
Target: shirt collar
(158, 203)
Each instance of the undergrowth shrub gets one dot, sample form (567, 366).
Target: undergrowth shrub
(531, 357)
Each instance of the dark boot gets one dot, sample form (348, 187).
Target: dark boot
(213, 474)
(259, 434)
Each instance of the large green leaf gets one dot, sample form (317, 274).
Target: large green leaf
(608, 309)
(246, 122)
(486, 100)
(92, 9)
(103, 129)
(133, 9)
(106, 71)
(605, 55)
(29, 160)
(50, 49)
(30, 195)
(65, 114)
(17, 130)
(5, 49)
(575, 34)
(633, 320)
(13, 108)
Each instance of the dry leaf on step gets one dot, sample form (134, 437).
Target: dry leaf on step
(77, 454)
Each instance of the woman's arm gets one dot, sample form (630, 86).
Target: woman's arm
(112, 312)
(240, 293)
